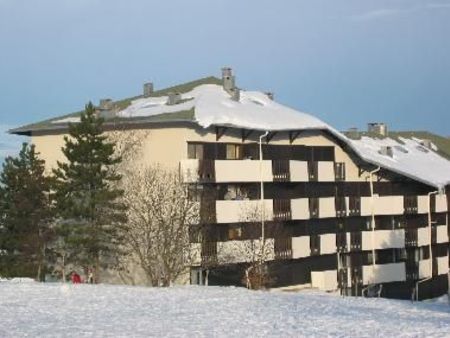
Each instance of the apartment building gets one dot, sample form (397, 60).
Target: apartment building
(360, 212)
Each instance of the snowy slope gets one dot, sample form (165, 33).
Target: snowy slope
(32, 309)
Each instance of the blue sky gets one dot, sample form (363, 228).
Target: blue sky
(348, 62)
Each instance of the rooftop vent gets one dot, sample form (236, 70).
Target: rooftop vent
(270, 95)
(105, 104)
(427, 143)
(387, 151)
(377, 128)
(173, 98)
(148, 89)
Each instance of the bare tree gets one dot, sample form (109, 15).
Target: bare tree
(252, 249)
(159, 216)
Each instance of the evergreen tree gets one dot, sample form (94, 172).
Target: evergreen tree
(25, 216)
(86, 194)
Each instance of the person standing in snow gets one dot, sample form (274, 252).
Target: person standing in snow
(76, 279)
(90, 278)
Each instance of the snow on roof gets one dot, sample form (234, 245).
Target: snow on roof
(409, 157)
(212, 105)
(72, 119)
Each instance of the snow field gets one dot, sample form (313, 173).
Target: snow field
(57, 310)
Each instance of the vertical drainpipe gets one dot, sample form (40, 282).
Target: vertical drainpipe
(431, 238)
(372, 211)
(262, 192)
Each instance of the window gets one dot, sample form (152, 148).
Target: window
(234, 232)
(195, 151)
(234, 152)
(339, 171)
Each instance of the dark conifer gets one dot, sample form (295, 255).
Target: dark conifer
(25, 216)
(86, 194)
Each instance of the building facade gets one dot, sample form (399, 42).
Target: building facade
(362, 213)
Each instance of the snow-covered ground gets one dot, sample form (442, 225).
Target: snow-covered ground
(33, 309)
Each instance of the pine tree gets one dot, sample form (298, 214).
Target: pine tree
(25, 216)
(87, 197)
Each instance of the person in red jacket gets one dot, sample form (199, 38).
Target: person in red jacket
(76, 279)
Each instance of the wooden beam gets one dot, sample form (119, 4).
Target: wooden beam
(246, 134)
(270, 136)
(220, 131)
(293, 135)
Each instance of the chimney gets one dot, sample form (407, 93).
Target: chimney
(173, 98)
(387, 151)
(105, 104)
(377, 128)
(228, 80)
(270, 95)
(236, 94)
(148, 89)
(353, 133)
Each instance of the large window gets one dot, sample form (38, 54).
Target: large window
(234, 151)
(195, 151)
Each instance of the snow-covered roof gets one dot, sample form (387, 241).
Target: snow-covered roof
(211, 105)
(406, 156)
(214, 106)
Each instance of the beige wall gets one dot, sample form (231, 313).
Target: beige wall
(168, 145)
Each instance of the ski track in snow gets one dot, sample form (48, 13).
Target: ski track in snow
(57, 310)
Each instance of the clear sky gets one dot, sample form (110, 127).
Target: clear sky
(347, 62)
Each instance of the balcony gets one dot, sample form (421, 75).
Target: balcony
(300, 247)
(243, 171)
(441, 234)
(383, 205)
(384, 273)
(424, 268)
(383, 239)
(298, 171)
(327, 244)
(441, 203)
(300, 208)
(442, 265)
(230, 252)
(243, 211)
(324, 280)
(423, 236)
